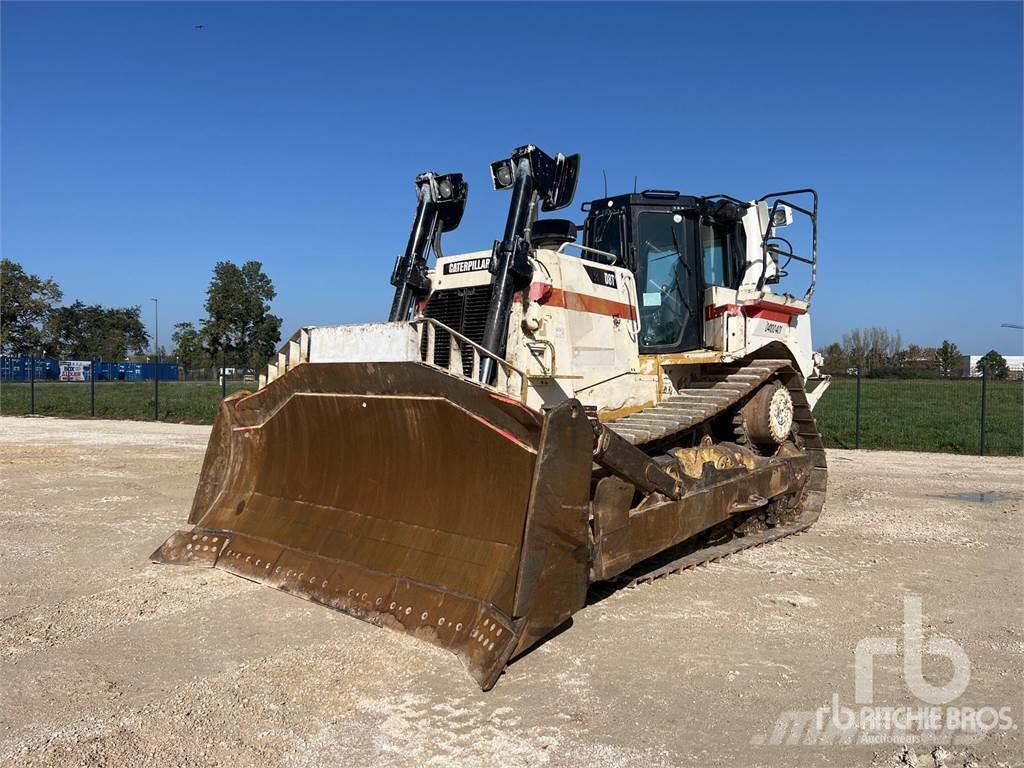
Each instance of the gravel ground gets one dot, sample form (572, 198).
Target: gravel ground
(107, 660)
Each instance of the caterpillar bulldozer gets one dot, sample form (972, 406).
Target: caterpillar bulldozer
(578, 405)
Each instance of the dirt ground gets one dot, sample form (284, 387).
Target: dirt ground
(107, 660)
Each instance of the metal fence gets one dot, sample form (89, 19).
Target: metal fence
(193, 398)
(980, 416)
(970, 416)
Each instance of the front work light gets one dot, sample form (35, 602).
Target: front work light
(501, 174)
(782, 216)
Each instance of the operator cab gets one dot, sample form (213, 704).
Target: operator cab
(676, 245)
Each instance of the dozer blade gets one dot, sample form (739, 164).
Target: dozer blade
(402, 496)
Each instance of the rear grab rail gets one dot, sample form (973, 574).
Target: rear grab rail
(775, 250)
(612, 258)
(509, 380)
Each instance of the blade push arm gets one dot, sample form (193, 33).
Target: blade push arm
(533, 175)
(441, 201)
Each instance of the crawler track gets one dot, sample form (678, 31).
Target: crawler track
(668, 424)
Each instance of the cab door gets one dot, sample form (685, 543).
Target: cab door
(669, 281)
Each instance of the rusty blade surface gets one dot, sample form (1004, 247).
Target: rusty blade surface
(399, 495)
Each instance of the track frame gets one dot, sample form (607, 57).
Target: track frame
(676, 421)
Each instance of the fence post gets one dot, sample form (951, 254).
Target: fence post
(92, 388)
(32, 384)
(223, 379)
(856, 442)
(984, 407)
(156, 389)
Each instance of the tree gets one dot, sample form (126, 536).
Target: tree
(996, 364)
(87, 331)
(239, 327)
(124, 332)
(26, 302)
(949, 359)
(872, 347)
(836, 360)
(922, 357)
(188, 350)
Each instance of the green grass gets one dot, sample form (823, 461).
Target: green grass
(179, 401)
(899, 414)
(939, 415)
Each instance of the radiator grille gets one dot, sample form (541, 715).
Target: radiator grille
(463, 310)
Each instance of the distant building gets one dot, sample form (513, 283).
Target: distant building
(1015, 363)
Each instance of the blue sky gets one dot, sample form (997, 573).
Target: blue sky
(138, 150)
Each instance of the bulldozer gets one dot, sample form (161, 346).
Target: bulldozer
(579, 405)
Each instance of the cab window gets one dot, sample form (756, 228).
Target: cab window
(723, 253)
(665, 278)
(714, 255)
(606, 235)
